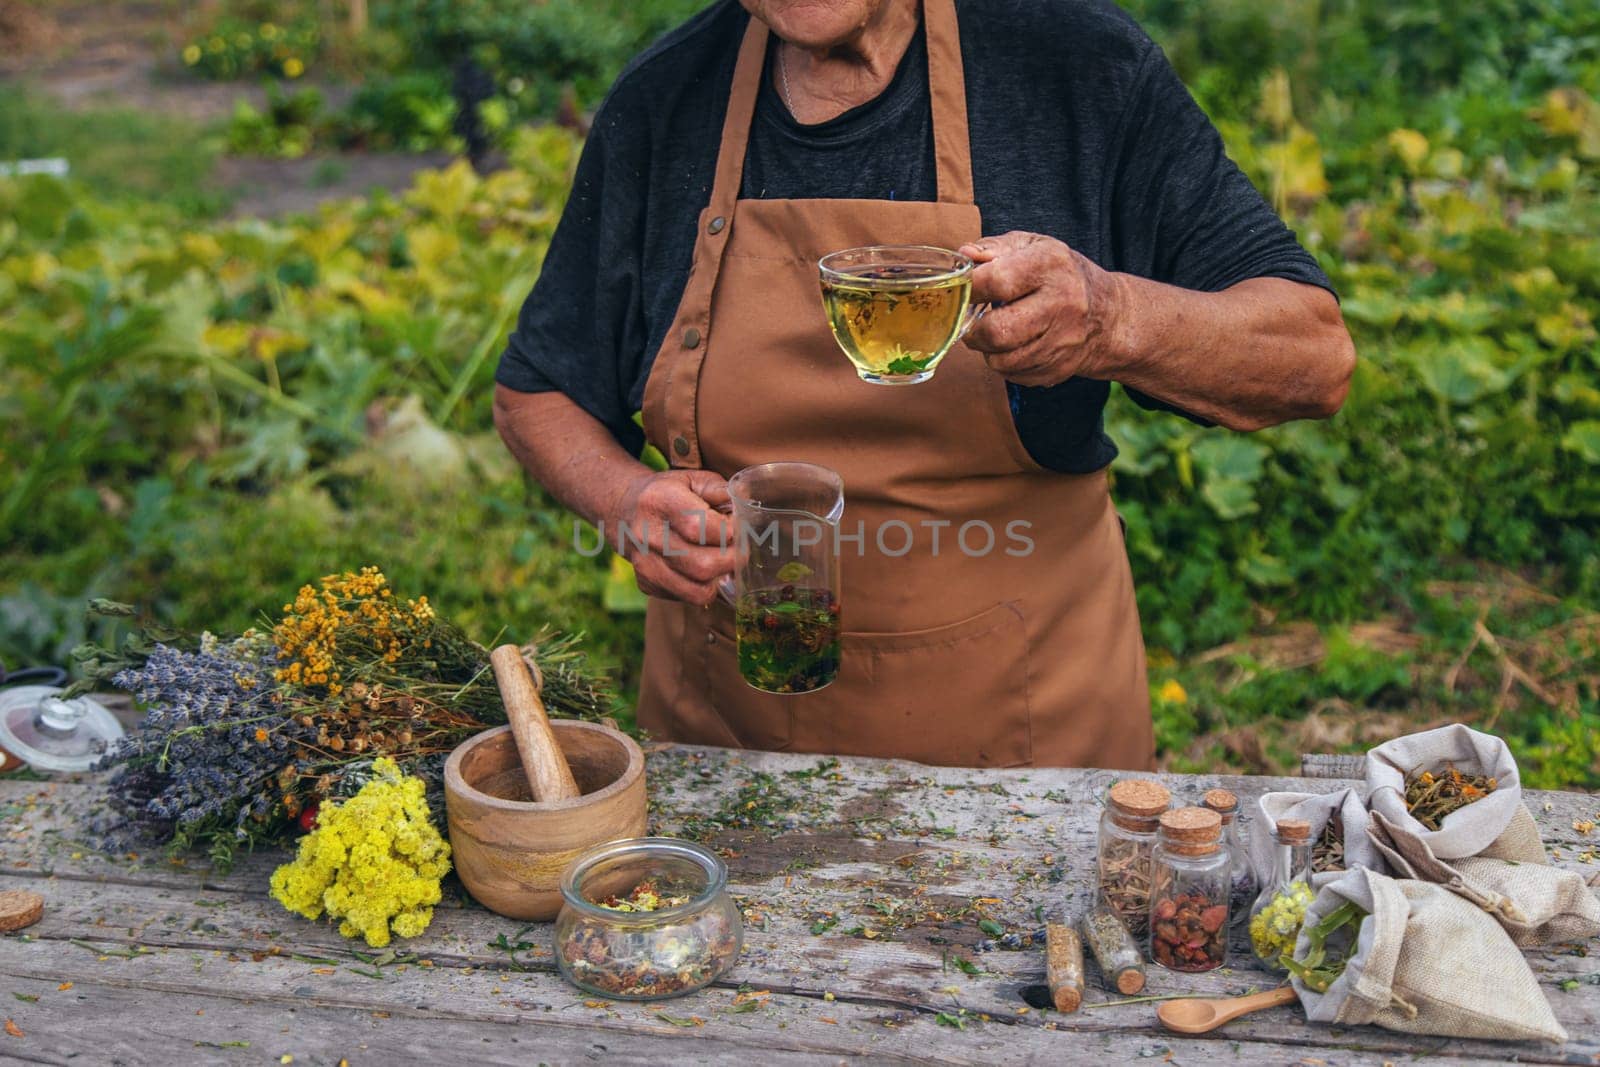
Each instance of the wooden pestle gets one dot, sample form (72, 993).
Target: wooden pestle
(543, 762)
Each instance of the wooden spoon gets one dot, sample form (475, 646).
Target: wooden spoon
(1196, 1016)
(543, 762)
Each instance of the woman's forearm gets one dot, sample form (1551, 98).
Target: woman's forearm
(1262, 352)
(566, 450)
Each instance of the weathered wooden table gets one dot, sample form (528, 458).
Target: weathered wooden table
(863, 883)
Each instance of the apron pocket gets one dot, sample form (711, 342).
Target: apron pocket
(955, 695)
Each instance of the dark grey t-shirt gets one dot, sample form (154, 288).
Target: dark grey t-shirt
(1079, 127)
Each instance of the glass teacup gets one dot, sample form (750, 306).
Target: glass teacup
(897, 309)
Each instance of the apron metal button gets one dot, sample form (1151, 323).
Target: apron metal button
(691, 338)
(680, 445)
(711, 638)
(717, 224)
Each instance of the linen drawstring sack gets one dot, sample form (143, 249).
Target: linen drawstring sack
(1497, 825)
(1316, 808)
(1426, 962)
(1536, 903)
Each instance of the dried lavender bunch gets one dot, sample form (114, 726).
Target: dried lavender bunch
(202, 768)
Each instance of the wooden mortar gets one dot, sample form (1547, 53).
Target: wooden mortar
(511, 851)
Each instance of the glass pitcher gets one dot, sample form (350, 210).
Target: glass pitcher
(785, 586)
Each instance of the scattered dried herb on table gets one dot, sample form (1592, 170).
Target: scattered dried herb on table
(1319, 968)
(1431, 797)
(1327, 855)
(1189, 932)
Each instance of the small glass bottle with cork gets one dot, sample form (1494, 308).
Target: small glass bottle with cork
(1243, 894)
(1189, 893)
(1126, 848)
(1280, 909)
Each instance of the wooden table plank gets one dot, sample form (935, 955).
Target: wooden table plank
(911, 853)
(1324, 765)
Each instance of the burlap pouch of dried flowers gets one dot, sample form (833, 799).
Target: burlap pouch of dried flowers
(1536, 903)
(1427, 962)
(1496, 825)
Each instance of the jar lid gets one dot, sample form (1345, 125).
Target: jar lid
(1191, 826)
(51, 734)
(1294, 831)
(1141, 798)
(1221, 801)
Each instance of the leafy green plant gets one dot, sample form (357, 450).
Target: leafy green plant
(238, 48)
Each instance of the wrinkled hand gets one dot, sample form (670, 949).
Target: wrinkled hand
(674, 515)
(1058, 310)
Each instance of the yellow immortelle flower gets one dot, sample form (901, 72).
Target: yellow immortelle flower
(373, 862)
(191, 55)
(355, 610)
(1173, 693)
(293, 67)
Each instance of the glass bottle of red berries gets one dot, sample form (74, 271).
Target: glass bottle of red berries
(1192, 881)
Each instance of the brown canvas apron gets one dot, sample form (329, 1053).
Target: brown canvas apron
(1027, 653)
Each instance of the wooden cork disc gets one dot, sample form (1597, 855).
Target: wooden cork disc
(1221, 801)
(1191, 824)
(1191, 831)
(1140, 797)
(1293, 831)
(19, 908)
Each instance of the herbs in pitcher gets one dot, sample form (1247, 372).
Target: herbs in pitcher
(788, 638)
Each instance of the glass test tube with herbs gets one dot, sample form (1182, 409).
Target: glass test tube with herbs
(1280, 910)
(1120, 958)
(1243, 893)
(1126, 847)
(1191, 881)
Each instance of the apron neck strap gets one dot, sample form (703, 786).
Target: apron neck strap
(947, 90)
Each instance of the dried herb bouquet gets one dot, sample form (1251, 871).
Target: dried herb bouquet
(245, 737)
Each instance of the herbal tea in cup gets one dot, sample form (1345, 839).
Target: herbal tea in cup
(897, 309)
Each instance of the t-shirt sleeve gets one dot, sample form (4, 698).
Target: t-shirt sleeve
(582, 329)
(1181, 211)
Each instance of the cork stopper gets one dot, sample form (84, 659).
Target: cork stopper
(1140, 798)
(19, 908)
(1221, 801)
(1294, 831)
(1191, 831)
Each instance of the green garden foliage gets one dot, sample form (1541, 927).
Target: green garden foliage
(198, 416)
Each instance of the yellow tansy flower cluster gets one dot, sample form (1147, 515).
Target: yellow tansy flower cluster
(374, 862)
(356, 615)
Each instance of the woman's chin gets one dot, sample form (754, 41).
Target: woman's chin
(815, 25)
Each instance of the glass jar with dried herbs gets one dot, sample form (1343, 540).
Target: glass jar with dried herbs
(1243, 893)
(1126, 846)
(646, 918)
(1191, 880)
(1280, 909)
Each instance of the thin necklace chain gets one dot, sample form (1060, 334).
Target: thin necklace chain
(783, 72)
